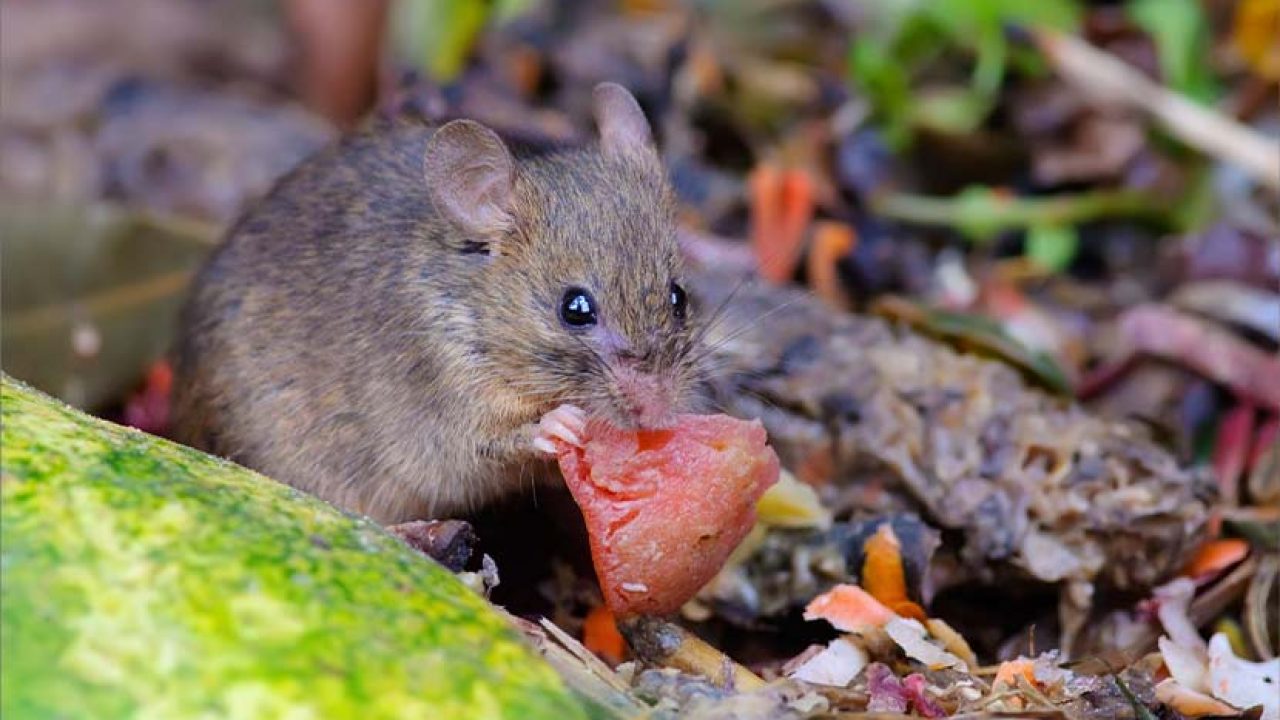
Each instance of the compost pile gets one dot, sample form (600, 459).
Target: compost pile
(1000, 279)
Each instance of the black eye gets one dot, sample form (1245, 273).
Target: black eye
(679, 303)
(578, 308)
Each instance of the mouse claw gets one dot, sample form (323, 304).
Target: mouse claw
(566, 424)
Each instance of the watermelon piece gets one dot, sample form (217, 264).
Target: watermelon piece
(665, 508)
(139, 578)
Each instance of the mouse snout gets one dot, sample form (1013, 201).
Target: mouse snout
(647, 399)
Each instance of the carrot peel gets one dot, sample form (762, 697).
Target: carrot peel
(600, 635)
(883, 574)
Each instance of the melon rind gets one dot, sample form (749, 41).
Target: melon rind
(143, 579)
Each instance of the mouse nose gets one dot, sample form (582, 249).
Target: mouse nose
(648, 398)
(632, 357)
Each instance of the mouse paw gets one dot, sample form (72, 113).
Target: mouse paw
(565, 424)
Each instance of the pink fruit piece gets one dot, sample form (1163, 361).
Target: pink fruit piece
(665, 508)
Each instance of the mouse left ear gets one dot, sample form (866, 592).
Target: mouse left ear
(624, 131)
(470, 177)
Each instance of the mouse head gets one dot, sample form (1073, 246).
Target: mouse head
(577, 292)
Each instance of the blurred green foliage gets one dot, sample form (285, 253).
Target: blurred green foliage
(1180, 31)
(1051, 246)
(905, 39)
(437, 36)
(941, 64)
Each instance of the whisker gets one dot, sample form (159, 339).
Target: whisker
(747, 326)
(718, 314)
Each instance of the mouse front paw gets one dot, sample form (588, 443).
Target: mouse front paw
(566, 424)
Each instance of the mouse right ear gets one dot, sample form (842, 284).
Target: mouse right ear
(624, 131)
(471, 178)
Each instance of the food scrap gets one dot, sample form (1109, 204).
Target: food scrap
(600, 635)
(665, 508)
(883, 575)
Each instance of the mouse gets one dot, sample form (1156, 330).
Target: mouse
(412, 319)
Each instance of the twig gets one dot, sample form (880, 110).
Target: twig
(1255, 605)
(1107, 77)
(32, 321)
(200, 232)
(982, 213)
(585, 675)
(662, 643)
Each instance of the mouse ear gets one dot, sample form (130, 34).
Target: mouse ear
(623, 127)
(470, 177)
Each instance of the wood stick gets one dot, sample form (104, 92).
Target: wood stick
(1110, 79)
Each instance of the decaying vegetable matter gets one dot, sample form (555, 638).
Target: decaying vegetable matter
(883, 420)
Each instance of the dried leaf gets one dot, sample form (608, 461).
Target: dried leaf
(600, 635)
(87, 333)
(1231, 450)
(1216, 557)
(1261, 616)
(1257, 24)
(977, 333)
(1215, 353)
(1264, 478)
(782, 205)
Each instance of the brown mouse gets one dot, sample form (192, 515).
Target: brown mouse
(402, 325)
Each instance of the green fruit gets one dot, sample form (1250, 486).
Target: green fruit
(139, 578)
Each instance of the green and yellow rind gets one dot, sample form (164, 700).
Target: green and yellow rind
(140, 578)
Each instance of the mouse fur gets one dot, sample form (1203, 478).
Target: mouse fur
(384, 328)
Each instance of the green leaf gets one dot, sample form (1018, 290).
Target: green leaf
(979, 25)
(510, 9)
(1056, 14)
(1199, 205)
(1053, 247)
(976, 214)
(1179, 29)
(440, 34)
(901, 37)
(993, 53)
(957, 110)
(885, 82)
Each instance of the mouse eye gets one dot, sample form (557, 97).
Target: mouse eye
(679, 302)
(577, 308)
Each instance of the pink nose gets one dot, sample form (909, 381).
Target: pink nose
(649, 398)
